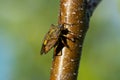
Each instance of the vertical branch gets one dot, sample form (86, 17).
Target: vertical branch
(75, 17)
(65, 67)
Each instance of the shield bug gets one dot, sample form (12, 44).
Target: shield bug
(51, 38)
(55, 35)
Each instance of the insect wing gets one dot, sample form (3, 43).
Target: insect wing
(50, 39)
(48, 46)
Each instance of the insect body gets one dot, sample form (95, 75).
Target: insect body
(56, 36)
(51, 38)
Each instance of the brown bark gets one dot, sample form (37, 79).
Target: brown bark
(75, 17)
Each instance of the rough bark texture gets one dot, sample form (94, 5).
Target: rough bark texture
(75, 17)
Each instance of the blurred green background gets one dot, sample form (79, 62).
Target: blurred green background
(23, 24)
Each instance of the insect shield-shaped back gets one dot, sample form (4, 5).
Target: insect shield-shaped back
(51, 38)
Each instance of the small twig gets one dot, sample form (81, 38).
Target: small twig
(91, 5)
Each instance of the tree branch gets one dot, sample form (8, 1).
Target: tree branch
(74, 15)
